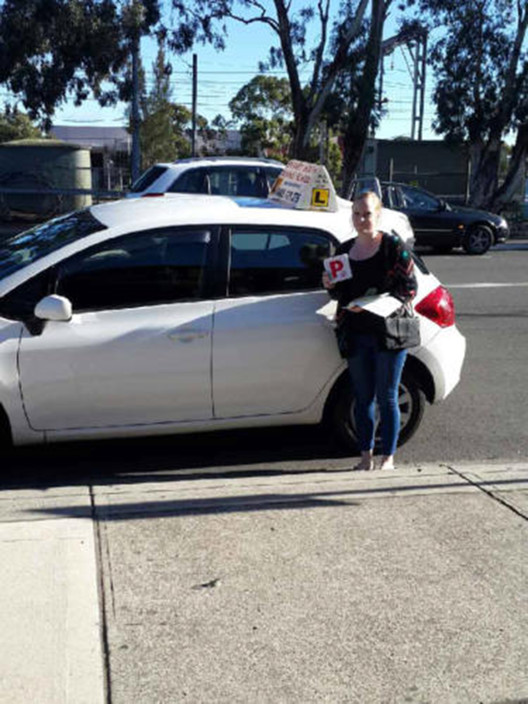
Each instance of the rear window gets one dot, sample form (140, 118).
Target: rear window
(147, 179)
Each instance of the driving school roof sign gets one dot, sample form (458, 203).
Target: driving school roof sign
(304, 186)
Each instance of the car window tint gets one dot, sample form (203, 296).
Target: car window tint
(418, 200)
(20, 250)
(20, 303)
(148, 268)
(238, 181)
(192, 181)
(276, 261)
(272, 173)
(147, 179)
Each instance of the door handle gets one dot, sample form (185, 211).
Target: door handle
(187, 334)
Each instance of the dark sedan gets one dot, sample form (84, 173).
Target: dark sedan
(442, 226)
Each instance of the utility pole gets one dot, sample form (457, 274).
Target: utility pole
(417, 50)
(194, 102)
(415, 39)
(136, 146)
(133, 15)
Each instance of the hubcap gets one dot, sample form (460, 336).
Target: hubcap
(479, 240)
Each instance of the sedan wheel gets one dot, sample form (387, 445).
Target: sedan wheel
(411, 400)
(478, 239)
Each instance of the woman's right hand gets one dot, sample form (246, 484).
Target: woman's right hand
(327, 283)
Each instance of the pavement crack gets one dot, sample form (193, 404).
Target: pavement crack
(488, 492)
(101, 560)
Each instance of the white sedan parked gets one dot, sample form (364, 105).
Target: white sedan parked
(189, 313)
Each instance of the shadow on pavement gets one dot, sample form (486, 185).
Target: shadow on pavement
(158, 506)
(168, 458)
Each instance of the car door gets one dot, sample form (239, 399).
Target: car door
(138, 347)
(431, 222)
(274, 348)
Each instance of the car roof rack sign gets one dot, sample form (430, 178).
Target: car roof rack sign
(304, 186)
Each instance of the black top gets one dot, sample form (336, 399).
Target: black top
(389, 270)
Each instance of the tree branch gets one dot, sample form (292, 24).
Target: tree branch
(339, 61)
(509, 97)
(323, 16)
(263, 19)
(298, 100)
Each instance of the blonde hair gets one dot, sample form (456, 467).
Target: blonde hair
(369, 194)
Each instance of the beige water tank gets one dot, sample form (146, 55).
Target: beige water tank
(36, 164)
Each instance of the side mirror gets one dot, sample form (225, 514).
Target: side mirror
(442, 205)
(55, 308)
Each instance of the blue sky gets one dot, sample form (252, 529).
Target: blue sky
(221, 74)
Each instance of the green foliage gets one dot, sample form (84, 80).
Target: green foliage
(481, 86)
(263, 109)
(163, 123)
(16, 125)
(334, 162)
(475, 68)
(52, 50)
(302, 33)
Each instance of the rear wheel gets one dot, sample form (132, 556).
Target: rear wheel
(411, 400)
(478, 239)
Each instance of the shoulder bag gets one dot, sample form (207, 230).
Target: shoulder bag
(401, 330)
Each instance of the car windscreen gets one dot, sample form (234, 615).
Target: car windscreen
(26, 247)
(147, 179)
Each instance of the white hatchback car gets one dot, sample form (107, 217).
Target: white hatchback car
(189, 313)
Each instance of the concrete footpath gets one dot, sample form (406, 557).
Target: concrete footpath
(312, 586)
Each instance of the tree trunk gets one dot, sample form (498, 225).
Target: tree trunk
(357, 128)
(299, 147)
(485, 159)
(512, 185)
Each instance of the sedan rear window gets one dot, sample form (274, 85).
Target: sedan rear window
(26, 247)
(147, 179)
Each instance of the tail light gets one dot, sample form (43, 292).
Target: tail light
(152, 195)
(438, 307)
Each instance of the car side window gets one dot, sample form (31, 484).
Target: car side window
(140, 269)
(419, 200)
(238, 181)
(272, 174)
(276, 260)
(192, 181)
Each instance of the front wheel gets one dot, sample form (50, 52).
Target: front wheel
(411, 400)
(478, 239)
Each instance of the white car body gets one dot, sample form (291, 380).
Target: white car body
(227, 176)
(194, 365)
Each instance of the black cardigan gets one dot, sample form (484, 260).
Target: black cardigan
(396, 275)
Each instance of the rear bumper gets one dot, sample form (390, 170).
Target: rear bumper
(444, 357)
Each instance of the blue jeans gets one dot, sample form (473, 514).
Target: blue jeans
(375, 374)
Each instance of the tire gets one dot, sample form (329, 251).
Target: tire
(478, 239)
(411, 402)
(6, 440)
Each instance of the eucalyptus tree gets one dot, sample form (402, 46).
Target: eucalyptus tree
(55, 50)
(303, 34)
(481, 94)
(263, 109)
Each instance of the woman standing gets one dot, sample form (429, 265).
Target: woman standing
(380, 262)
